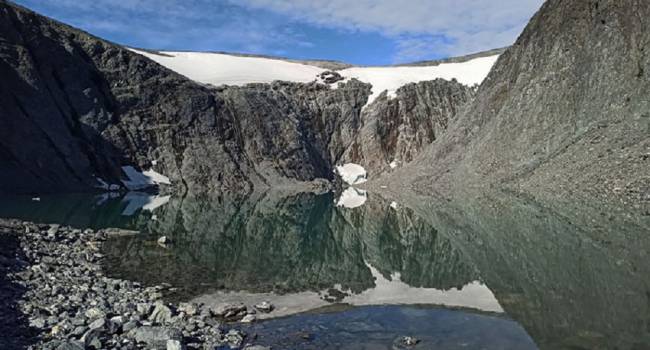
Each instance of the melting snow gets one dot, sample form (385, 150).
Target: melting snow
(352, 174)
(352, 198)
(138, 180)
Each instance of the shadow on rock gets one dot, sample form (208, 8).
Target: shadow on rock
(14, 326)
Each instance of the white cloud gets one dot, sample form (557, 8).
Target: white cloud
(420, 26)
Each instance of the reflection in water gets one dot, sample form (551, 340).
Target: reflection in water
(575, 277)
(82, 211)
(352, 198)
(287, 245)
(378, 327)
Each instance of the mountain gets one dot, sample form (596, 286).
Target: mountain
(78, 113)
(563, 113)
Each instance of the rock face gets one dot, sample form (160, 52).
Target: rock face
(396, 129)
(74, 107)
(565, 109)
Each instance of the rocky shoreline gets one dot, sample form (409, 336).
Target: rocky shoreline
(55, 296)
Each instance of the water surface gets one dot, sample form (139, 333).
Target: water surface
(493, 272)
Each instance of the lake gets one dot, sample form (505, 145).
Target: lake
(359, 271)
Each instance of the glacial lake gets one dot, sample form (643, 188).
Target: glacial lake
(360, 271)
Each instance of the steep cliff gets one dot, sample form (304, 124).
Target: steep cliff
(395, 130)
(564, 110)
(75, 108)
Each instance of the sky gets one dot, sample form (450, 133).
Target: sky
(363, 32)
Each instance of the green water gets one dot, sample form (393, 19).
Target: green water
(492, 272)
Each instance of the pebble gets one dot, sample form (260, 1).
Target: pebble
(85, 310)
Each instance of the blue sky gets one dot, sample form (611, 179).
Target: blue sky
(366, 32)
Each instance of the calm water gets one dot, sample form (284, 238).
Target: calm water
(495, 272)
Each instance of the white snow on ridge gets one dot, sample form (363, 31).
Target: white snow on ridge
(392, 78)
(221, 69)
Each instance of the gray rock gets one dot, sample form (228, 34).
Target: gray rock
(156, 337)
(128, 326)
(234, 338)
(189, 309)
(264, 307)
(248, 319)
(549, 134)
(95, 313)
(70, 345)
(144, 309)
(228, 310)
(257, 347)
(175, 345)
(161, 314)
(92, 339)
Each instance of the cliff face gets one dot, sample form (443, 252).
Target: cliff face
(565, 109)
(396, 129)
(74, 107)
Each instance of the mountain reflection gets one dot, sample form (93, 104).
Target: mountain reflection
(297, 243)
(574, 275)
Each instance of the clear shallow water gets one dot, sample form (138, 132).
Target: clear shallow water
(502, 272)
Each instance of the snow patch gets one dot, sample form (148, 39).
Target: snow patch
(352, 198)
(393, 164)
(137, 180)
(393, 205)
(352, 174)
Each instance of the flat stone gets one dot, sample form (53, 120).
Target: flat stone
(156, 337)
(248, 319)
(265, 307)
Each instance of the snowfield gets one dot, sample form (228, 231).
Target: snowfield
(219, 69)
(392, 78)
(222, 69)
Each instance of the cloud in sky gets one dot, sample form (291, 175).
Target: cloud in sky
(450, 26)
(360, 31)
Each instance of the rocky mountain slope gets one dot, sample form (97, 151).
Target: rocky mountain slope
(563, 112)
(74, 108)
